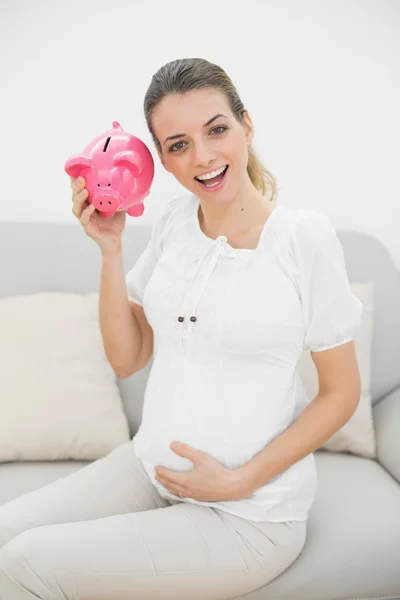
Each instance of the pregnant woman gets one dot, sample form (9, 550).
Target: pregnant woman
(210, 499)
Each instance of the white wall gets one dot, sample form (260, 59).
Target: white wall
(321, 80)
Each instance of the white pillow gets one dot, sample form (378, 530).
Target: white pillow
(357, 436)
(59, 396)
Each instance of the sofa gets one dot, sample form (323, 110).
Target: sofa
(352, 550)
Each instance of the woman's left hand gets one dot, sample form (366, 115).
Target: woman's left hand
(208, 481)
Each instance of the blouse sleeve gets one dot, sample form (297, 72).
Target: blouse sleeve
(138, 277)
(332, 312)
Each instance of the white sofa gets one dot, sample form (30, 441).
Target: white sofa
(353, 546)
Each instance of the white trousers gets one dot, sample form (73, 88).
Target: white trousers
(104, 533)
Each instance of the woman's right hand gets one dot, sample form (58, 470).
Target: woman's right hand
(107, 233)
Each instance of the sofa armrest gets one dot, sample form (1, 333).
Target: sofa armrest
(387, 427)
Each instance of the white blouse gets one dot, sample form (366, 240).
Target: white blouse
(229, 329)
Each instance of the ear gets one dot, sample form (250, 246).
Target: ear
(248, 127)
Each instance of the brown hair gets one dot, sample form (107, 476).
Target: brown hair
(186, 74)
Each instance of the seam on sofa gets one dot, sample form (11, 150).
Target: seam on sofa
(378, 401)
(377, 598)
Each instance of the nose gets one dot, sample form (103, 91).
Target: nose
(203, 156)
(106, 201)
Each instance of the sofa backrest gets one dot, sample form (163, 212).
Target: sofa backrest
(59, 257)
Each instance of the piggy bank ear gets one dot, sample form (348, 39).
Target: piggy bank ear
(130, 160)
(75, 164)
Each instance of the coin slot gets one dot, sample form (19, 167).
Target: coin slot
(106, 144)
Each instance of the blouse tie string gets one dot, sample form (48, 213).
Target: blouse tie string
(199, 283)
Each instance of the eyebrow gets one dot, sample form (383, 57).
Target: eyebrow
(178, 135)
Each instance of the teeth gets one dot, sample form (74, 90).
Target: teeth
(212, 174)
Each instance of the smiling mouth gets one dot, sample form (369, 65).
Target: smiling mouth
(213, 180)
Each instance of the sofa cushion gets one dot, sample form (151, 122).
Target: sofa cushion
(387, 424)
(18, 477)
(59, 397)
(358, 434)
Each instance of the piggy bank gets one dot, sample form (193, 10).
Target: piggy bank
(118, 169)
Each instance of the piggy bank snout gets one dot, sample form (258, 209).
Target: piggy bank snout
(106, 201)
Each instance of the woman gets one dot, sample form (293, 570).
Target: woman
(227, 294)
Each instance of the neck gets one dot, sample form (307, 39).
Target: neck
(247, 211)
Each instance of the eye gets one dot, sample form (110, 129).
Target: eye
(214, 129)
(220, 127)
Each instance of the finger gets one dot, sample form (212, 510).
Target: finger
(172, 489)
(78, 205)
(76, 190)
(167, 474)
(86, 214)
(78, 184)
(80, 199)
(82, 195)
(73, 181)
(165, 482)
(81, 183)
(171, 484)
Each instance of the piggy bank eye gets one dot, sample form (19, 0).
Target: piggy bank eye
(109, 184)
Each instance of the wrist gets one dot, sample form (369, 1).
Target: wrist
(242, 482)
(111, 253)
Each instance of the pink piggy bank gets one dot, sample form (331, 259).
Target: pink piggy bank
(118, 169)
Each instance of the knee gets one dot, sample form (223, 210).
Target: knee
(12, 555)
(14, 545)
(6, 534)
(16, 573)
(21, 557)
(8, 529)
(12, 522)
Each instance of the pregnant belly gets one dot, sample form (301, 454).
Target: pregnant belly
(152, 445)
(231, 421)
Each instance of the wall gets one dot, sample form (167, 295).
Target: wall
(320, 79)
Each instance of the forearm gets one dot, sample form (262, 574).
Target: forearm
(325, 415)
(119, 327)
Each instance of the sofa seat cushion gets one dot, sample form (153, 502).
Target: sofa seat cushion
(17, 478)
(353, 543)
(352, 549)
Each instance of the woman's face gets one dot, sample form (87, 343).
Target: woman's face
(202, 147)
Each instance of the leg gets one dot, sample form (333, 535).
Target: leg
(113, 484)
(175, 553)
